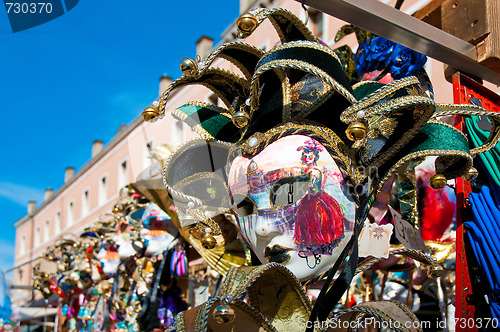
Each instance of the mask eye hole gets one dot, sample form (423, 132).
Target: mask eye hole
(289, 190)
(243, 205)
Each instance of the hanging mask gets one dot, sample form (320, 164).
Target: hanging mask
(159, 231)
(109, 260)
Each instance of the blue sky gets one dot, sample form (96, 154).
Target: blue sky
(75, 79)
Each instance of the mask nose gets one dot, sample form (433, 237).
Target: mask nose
(265, 227)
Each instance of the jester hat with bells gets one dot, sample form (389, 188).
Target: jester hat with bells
(299, 87)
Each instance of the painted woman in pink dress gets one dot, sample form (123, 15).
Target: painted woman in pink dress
(319, 224)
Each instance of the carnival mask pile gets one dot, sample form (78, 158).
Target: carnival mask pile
(297, 154)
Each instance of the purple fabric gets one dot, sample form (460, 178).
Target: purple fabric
(170, 304)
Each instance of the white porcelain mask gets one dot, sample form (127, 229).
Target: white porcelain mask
(292, 205)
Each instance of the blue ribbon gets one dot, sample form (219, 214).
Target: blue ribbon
(484, 235)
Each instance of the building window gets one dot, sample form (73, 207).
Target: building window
(103, 190)
(316, 19)
(147, 161)
(70, 213)
(85, 203)
(213, 99)
(37, 237)
(22, 249)
(178, 132)
(123, 175)
(46, 231)
(58, 222)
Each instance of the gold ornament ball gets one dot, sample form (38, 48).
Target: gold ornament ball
(240, 119)
(438, 181)
(435, 271)
(223, 314)
(188, 66)
(208, 241)
(149, 113)
(247, 23)
(356, 131)
(471, 174)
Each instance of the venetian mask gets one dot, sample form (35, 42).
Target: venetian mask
(292, 205)
(158, 230)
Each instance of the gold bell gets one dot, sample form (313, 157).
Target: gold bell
(471, 175)
(435, 271)
(240, 119)
(150, 113)
(208, 241)
(438, 181)
(247, 23)
(189, 67)
(356, 131)
(223, 314)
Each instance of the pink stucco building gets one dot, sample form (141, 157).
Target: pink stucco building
(93, 189)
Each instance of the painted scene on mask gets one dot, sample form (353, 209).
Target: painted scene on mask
(291, 196)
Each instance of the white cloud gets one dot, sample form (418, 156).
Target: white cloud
(20, 194)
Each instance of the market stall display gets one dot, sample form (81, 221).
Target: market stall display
(297, 95)
(317, 196)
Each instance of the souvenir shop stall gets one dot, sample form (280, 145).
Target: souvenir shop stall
(346, 180)
(131, 270)
(101, 275)
(329, 191)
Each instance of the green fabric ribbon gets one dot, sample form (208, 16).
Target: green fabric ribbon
(441, 137)
(491, 158)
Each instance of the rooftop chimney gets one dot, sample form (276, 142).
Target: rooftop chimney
(97, 147)
(245, 5)
(47, 194)
(204, 46)
(31, 207)
(70, 171)
(165, 81)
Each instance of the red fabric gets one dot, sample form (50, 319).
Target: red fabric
(437, 214)
(320, 220)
